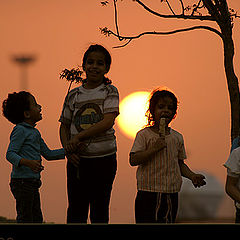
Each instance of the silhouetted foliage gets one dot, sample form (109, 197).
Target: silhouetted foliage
(72, 75)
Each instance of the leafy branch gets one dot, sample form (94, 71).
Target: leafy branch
(73, 75)
(108, 32)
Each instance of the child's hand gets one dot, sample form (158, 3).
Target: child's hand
(78, 148)
(72, 144)
(160, 144)
(35, 165)
(73, 158)
(198, 180)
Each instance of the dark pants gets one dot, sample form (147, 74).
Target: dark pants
(28, 205)
(90, 185)
(153, 207)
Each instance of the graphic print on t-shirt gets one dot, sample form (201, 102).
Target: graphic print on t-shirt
(88, 115)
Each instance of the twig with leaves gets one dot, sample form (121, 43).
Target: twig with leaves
(73, 75)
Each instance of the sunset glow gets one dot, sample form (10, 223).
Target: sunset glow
(57, 34)
(132, 113)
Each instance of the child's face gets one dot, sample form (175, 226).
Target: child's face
(33, 115)
(164, 109)
(95, 67)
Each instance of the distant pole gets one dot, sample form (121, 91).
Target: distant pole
(23, 61)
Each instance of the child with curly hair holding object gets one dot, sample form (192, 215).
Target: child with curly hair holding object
(159, 153)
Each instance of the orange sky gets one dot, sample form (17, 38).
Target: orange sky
(58, 33)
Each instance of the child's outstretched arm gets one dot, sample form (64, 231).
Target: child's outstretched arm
(48, 154)
(197, 179)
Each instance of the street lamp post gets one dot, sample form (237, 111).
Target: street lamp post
(23, 61)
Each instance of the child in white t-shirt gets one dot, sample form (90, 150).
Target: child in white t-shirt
(87, 134)
(232, 185)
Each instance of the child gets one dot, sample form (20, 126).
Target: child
(235, 143)
(87, 133)
(24, 153)
(160, 160)
(232, 185)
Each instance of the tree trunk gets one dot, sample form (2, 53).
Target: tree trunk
(232, 81)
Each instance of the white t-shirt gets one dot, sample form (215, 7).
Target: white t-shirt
(233, 167)
(85, 107)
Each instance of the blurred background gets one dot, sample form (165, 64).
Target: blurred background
(41, 38)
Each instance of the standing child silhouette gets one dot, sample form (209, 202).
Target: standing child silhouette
(159, 153)
(87, 133)
(24, 153)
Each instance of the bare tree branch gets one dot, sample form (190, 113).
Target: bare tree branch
(116, 17)
(223, 8)
(179, 16)
(212, 10)
(219, 13)
(182, 5)
(130, 38)
(169, 6)
(120, 46)
(196, 8)
(108, 32)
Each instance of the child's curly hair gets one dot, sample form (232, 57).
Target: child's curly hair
(153, 100)
(14, 106)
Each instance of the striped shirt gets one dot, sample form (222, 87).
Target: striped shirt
(85, 107)
(162, 172)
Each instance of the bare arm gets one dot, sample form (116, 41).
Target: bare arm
(232, 189)
(185, 170)
(138, 158)
(100, 127)
(64, 134)
(197, 179)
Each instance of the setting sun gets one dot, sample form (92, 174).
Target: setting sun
(132, 113)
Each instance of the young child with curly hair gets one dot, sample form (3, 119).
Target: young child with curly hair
(24, 153)
(159, 153)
